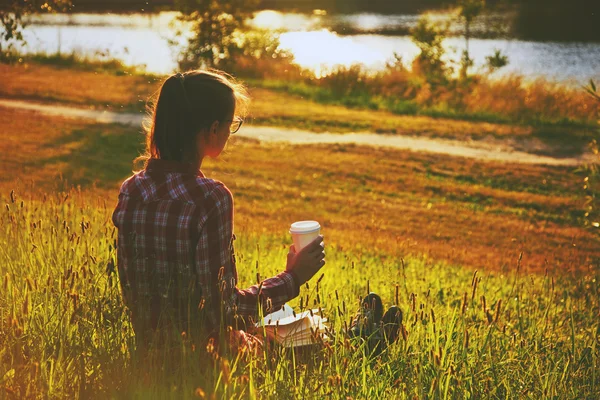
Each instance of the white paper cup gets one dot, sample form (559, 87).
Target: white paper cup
(304, 232)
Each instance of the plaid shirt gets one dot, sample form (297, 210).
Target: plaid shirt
(175, 247)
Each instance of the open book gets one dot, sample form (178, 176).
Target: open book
(291, 330)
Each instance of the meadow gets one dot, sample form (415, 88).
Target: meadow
(545, 117)
(489, 262)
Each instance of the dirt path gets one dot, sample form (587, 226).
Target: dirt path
(479, 150)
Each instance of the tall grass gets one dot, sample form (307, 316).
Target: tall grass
(65, 333)
(506, 100)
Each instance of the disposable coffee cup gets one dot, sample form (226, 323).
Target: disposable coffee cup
(304, 232)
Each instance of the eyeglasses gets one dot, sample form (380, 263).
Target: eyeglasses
(236, 124)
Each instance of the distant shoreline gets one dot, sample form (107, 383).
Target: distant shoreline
(497, 25)
(404, 7)
(557, 20)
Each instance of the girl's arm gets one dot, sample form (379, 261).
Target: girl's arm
(217, 274)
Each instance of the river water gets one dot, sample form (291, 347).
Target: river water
(142, 39)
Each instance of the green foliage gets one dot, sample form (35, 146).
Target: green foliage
(260, 43)
(12, 18)
(213, 23)
(429, 37)
(396, 63)
(468, 11)
(347, 81)
(591, 89)
(496, 60)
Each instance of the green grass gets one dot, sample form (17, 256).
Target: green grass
(101, 156)
(66, 333)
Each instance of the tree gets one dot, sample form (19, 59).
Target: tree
(13, 15)
(469, 10)
(429, 37)
(213, 24)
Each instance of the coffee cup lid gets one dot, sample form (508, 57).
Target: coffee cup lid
(305, 227)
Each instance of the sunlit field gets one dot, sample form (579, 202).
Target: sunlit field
(542, 116)
(485, 333)
(489, 262)
(493, 258)
(117, 89)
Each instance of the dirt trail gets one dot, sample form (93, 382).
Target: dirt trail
(479, 150)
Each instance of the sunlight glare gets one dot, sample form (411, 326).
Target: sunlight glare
(368, 22)
(316, 49)
(275, 20)
(268, 19)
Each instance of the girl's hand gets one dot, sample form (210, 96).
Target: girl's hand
(308, 261)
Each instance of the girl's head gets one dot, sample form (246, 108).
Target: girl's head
(194, 116)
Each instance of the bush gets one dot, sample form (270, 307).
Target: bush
(347, 81)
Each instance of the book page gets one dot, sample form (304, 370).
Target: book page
(285, 316)
(292, 330)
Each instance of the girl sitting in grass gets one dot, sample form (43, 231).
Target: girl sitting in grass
(175, 250)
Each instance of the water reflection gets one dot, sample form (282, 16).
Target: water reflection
(135, 46)
(489, 25)
(322, 50)
(150, 20)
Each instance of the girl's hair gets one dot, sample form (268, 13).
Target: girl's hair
(187, 104)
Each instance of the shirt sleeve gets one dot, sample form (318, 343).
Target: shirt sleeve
(224, 302)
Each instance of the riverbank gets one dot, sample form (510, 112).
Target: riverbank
(483, 150)
(111, 86)
(397, 89)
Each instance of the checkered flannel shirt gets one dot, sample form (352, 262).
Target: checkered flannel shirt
(176, 237)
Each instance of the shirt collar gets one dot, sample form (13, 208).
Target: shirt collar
(169, 166)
